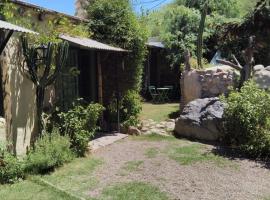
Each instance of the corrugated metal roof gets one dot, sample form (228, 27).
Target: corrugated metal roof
(154, 42)
(12, 27)
(91, 44)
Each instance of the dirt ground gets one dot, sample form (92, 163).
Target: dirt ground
(200, 180)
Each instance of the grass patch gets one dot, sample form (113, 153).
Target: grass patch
(133, 191)
(132, 165)
(27, 190)
(65, 183)
(75, 177)
(159, 112)
(154, 138)
(190, 154)
(151, 152)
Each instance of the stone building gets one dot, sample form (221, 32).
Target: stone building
(85, 55)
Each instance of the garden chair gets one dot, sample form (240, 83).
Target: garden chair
(171, 90)
(154, 94)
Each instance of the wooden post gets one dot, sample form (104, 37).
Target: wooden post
(100, 84)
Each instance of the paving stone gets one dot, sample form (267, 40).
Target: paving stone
(105, 141)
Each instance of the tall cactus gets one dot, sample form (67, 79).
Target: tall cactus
(200, 34)
(42, 72)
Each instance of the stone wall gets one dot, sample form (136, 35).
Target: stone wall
(211, 82)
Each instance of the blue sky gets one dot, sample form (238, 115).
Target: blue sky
(68, 6)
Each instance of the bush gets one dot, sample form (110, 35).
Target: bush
(247, 120)
(11, 169)
(50, 151)
(130, 107)
(80, 124)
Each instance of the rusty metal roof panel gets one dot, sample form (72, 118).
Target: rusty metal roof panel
(8, 26)
(91, 44)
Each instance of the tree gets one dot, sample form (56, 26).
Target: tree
(42, 69)
(114, 22)
(179, 32)
(228, 8)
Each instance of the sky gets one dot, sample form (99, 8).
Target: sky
(68, 6)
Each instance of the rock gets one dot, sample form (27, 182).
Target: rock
(201, 119)
(262, 78)
(2, 122)
(267, 68)
(133, 131)
(258, 67)
(170, 120)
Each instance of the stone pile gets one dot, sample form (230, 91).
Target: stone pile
(215, 82)
(210, 82)
(150, 126)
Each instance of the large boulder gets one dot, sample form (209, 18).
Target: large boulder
(201, 119)
(262, 76)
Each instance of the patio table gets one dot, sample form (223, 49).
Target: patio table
(163, 94)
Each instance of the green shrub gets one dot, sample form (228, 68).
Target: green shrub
(80, 124)
(247, 120)
(130, 107)
(50, 151)
(11, 169)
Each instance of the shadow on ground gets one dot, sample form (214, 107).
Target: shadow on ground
(229, 152)
(174, 115)
(236, 154)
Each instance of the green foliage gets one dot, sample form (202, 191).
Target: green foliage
(228, 8)
(177, 25)
(50, 151)
(247, 120)
(179, 33)
(115, 23)
(80, 124)
(11, 169)
(130, 107)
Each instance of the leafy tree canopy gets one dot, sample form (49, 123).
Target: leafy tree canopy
(177, 24)
(114, 22)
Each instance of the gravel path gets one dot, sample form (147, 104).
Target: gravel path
(199, 181)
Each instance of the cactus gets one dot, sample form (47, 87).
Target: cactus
(43, 73)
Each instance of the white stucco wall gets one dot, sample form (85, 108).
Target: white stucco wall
(20, 110)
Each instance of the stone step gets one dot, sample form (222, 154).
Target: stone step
(106, 140)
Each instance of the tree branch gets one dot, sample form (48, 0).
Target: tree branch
(225, 62)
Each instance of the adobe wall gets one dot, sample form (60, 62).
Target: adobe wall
(19, 92)
(19, 99)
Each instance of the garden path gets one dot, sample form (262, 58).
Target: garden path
(180, 172)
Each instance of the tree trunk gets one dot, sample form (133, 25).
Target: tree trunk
(40, 91)
(200, 37)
